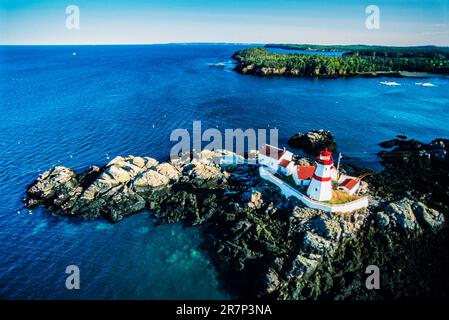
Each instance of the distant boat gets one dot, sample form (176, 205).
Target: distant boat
(390, 83)
(425, 84)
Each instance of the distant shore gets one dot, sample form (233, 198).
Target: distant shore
(355, 61)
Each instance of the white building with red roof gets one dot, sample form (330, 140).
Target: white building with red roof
(276, 159)
(286, 167)
(348, 184)
(303, 175)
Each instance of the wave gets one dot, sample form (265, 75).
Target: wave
(425, 84)
(217, 65)
(390, 83)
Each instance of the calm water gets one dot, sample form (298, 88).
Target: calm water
(57, 108)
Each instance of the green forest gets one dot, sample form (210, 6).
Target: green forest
(356, 60)
(433, 52)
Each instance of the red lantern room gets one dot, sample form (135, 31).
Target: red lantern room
(325, 157)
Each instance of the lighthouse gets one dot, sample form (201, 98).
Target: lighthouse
(320, 187)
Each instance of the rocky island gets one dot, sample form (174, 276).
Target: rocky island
(313, 142)
(267, 246)
(362, 61)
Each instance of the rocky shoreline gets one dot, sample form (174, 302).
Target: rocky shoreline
(251, 69)
(265, 245)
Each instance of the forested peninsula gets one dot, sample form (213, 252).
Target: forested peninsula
(358, 60)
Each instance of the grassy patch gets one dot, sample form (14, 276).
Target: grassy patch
(340, 197)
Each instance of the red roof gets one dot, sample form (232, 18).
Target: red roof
(305, 172)
(325, 157)
(284, 163)
(326, 153)
(272, 152)
(349, 183)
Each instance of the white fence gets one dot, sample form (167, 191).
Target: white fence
(289, 191)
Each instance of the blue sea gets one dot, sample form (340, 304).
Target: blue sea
(82, 105)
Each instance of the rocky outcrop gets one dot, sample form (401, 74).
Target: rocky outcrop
(313, 142)
(263, 244)
(415, 169)
(428, 217)
(410, 217)
(204, 173)
(112, 194)
(121, 187)
(57, 188)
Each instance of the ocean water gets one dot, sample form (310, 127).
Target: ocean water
(57, 108)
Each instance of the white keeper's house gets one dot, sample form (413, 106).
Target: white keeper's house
(277, 159)
(348, 184)
(303, 175)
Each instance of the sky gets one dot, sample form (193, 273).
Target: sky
(401, 22)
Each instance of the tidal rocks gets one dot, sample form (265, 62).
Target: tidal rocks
(409, 216)
(176, 207)
(262, 243)
(313, 142)
(398, 141)
(272, 281)
(390, 143)
(428, 217)
(254, 198)
(121, 187)
(127, 185)
(415, 169)
(416, 153)
(149, 180)
(316, 244)
(169, 171)
(204, 174)
(401, 215)
(302, 267)
(54, 187)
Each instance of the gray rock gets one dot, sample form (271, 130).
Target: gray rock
(204, 173)
(272, 281)
(149, 181)
(169, 171)
(313, 243)
(382, 220)
(325, 227)
(400, 214)
(302, 267)
(428, 217)
(53, 188)
(254, 198)
(313, 142)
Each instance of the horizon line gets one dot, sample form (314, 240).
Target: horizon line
(221, 43)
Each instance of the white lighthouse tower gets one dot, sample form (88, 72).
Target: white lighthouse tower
(320, 187)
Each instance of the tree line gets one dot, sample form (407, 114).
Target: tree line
(348, 64)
